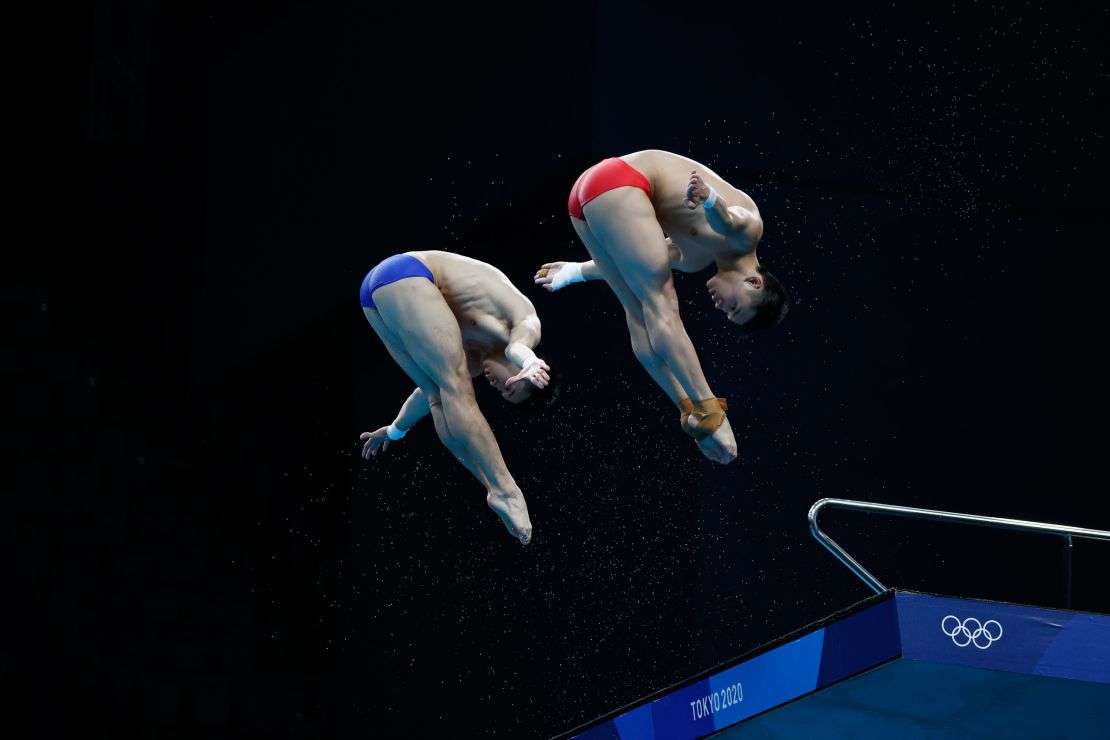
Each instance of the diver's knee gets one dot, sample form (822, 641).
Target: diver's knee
(455, 383)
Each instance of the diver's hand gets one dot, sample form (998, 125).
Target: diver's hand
(555, 275)
(375, 442)
(537, 372)
(721, 445)
(697, 192)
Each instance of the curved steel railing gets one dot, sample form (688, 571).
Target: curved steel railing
(905, 511)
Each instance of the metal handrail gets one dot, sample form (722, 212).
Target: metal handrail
(905, 511)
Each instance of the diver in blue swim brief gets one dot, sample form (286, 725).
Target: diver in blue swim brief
(446, 318)
(390, 270)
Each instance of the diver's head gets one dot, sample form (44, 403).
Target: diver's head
(523, 394)
(750, 297)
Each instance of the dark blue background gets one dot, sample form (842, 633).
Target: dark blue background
(195, 548)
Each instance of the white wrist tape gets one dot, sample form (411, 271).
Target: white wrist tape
(395, 433)
(708, 204)
(571, 273)
(530, 362)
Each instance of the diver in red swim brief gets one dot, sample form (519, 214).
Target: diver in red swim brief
(644, 214)
(602, 177)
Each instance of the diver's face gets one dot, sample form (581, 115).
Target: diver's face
(498, 370)
(737, 295)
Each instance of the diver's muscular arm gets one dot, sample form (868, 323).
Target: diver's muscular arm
(730, 220)
(547, 275)
(412, 410)
(523, 336)
(571, 272)
(590, 271)
(735, 222)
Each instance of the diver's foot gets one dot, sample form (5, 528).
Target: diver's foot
(510, 506)
(721, 446)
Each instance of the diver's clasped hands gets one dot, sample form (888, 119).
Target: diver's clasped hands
(697, 192)
(537, 371)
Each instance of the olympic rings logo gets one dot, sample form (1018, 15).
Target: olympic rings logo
(971, 631)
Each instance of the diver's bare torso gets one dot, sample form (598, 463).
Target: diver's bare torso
(695, 245)
(482, 299)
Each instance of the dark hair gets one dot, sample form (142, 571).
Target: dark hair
(541, 398)
(774, 306)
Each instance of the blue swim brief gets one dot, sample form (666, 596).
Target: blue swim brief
(390, 270)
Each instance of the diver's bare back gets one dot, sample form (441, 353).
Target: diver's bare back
(669, 175)
(483, 300)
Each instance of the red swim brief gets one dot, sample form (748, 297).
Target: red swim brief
(606, 175)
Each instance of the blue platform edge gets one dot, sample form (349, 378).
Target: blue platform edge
(938, 629)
